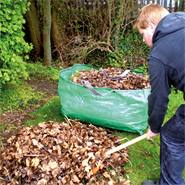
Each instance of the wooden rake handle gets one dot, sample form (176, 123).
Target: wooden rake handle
(131, 142)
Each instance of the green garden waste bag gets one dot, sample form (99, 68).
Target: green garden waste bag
(116, 109)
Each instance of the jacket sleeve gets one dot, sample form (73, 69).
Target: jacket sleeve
(158, 98)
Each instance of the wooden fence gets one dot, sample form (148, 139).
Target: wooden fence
(171, 5)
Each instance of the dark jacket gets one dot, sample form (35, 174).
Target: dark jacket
(166, 67)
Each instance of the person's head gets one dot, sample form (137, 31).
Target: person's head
(149, 17)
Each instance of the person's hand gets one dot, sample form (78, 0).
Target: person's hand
(150, 134)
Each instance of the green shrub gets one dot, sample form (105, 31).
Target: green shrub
(130, 53)
(12, 44)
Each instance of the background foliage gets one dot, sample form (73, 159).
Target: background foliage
(130, 53)
(12, 44)
(71, 31)
(89, 31)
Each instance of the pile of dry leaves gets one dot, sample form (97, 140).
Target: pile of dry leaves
(62, 153)
(114, 78)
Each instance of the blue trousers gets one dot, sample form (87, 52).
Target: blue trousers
(172, 149)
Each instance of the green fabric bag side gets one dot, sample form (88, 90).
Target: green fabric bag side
(117, 109)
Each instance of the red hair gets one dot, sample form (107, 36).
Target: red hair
(151, 13)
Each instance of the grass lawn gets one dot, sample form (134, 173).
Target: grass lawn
(49, 111)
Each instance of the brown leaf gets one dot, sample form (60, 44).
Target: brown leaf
(75, 179)
(42, 182)
(55, 172)
(35, 162)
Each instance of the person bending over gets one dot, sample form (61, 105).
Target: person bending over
(164, 33)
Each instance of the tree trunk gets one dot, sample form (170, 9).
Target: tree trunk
(56, 36)
(46, 31)
(33, 25)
